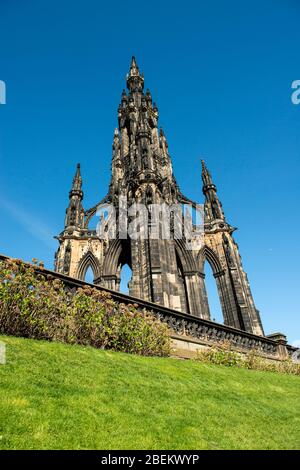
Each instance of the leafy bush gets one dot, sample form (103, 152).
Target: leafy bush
(221, 355)
(253, 360)
(38, 306)
(224, 355)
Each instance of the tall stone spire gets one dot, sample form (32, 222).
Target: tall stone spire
(165, 270)
(143, 151)
(77, 184)
(206, 177)
(213, 207)
(75, 213)
(135, 80)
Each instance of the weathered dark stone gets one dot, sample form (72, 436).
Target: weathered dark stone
(163, 271)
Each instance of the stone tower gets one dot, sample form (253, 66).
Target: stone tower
(164, 271)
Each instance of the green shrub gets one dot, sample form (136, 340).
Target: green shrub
(224, 355)
(221, 355)
(253, 360)
(38, 306)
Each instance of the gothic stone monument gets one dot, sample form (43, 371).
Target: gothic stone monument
(164, 271)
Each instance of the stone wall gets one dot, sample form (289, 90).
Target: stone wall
(189, 332)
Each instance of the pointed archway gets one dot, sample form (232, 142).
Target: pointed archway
(117, 256)
(226, 291)
(212, 293)
(125, 278)
(212, 285)
(89, 260)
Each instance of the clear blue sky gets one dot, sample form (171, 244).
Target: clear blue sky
(221, 74)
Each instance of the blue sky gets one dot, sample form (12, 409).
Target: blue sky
(221, 74)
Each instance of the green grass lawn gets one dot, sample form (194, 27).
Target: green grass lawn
(55, 396)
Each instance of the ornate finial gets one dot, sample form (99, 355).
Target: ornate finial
(77, 174)
(77, 180)
(74, 215)
(206, 176)
(134, 69)
(204, 169)
(135, 80)
(133, 63)
(205, 172)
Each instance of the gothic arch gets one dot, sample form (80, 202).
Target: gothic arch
(88, 260)
(187, 259)
(224, 286)
(119, 250)
(208, 254)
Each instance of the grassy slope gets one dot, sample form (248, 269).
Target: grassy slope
(70, 397)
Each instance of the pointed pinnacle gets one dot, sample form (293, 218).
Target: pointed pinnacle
(77, 174)
(205, 173)
(133, 62)
(206, 177)
(77, 180)
(135, 80)
(134, 68)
